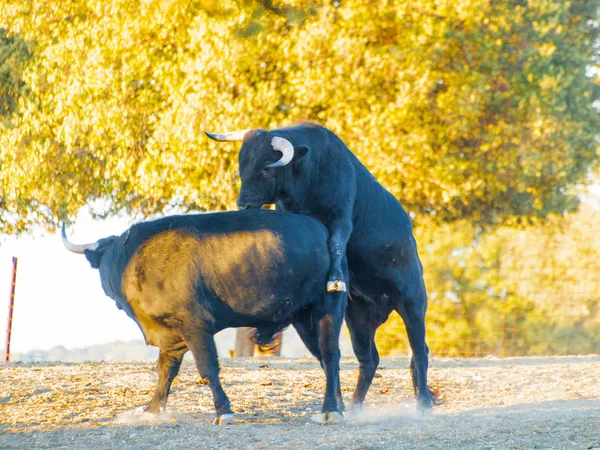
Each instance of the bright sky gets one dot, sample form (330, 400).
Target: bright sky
(59, 300)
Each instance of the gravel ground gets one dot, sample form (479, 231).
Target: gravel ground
(515, 403)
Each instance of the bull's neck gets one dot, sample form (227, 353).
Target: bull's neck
(297, 193)
(295, 204)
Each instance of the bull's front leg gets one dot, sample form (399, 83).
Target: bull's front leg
(329, 326)
(339, 233)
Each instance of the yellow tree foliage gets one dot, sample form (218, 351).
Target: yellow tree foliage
(477, 110)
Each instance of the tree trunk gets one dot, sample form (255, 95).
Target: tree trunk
(244, 346)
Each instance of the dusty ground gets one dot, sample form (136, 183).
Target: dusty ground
(520, 403)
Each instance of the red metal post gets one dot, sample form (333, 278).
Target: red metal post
(11, 304)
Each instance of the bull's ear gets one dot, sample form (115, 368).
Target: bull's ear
(300, 152)
(93, 257)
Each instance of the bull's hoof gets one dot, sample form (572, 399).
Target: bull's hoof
(355, 407)
(156, 410)
(336, 286)
(424, 412)
(222, 420)
(353, 412)
(328, 418)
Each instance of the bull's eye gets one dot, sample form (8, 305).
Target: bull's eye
(264, 173)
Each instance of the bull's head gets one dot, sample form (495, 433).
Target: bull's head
(264, 160)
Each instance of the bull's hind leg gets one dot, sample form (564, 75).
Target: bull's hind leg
(169, 361)
(202, 345)
(411, 304)
(435, 397)
(362, 328)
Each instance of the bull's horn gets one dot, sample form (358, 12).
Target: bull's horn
(74, 247)
(287, 150)
(232, 136)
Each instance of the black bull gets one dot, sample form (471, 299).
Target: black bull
(307, 169)
(184, 278)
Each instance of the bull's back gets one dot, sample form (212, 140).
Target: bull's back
(260, 266)
(382, 236)
(377, 214)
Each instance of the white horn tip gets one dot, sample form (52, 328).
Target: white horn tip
(233, 136)
(213, 136)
